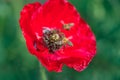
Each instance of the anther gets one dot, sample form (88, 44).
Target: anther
(54, 39)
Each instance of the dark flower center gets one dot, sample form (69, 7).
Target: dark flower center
(54, 39)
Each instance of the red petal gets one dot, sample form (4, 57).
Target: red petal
(25, 18)
(50, 61)
(52, 13)
(83, 50)
(26, 15)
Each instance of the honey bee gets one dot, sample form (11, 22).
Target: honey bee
(67, 41)
(68, 26)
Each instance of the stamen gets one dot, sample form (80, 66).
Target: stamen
(54, 39)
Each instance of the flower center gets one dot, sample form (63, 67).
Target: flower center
(54, 39)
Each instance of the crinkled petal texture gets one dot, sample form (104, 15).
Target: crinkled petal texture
(53, 14)
(25, 18)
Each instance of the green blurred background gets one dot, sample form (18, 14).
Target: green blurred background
(102, 15)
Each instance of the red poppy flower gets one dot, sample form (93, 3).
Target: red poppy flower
(56, 34)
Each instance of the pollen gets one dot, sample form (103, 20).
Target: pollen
(55, 37)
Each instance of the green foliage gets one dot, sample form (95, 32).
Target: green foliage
(102, 15)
